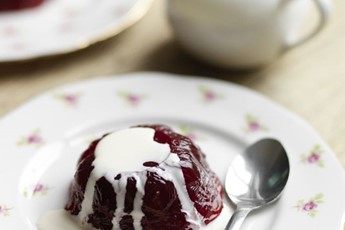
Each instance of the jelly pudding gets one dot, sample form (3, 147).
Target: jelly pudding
(145, 177)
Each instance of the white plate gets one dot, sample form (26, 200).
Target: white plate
(62, 26)
(42, 140)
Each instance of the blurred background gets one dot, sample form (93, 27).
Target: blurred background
(309, 80)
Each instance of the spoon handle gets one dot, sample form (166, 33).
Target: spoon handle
(237, 218)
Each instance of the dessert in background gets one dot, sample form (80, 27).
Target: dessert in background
(13, 5)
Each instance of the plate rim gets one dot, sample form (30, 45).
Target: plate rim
(132, 17)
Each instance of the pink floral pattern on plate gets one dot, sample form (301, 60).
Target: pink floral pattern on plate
(4, 210)
(69, 99)
(190, 132)
(33, 139)
(9, 31)
(131, 99)
(35, 190)
(208, 95)
(311, 206)
(68, 25)
(314, 157)
(19, 46)
(253, 125)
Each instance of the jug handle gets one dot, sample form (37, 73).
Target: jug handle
(324, 9)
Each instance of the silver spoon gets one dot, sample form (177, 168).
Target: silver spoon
(256, 178)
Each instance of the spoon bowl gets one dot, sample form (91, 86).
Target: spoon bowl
(256, 178)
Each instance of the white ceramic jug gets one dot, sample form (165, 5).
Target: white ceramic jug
(242, 33)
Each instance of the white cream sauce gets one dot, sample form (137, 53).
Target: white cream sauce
(127, 150)
(59, 219)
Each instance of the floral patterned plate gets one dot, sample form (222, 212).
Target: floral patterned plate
(62, 26)
(42, 140)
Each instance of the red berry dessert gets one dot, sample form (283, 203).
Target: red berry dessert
(6, 5)
(145, 177)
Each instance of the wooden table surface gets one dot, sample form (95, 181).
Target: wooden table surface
(309, 80)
